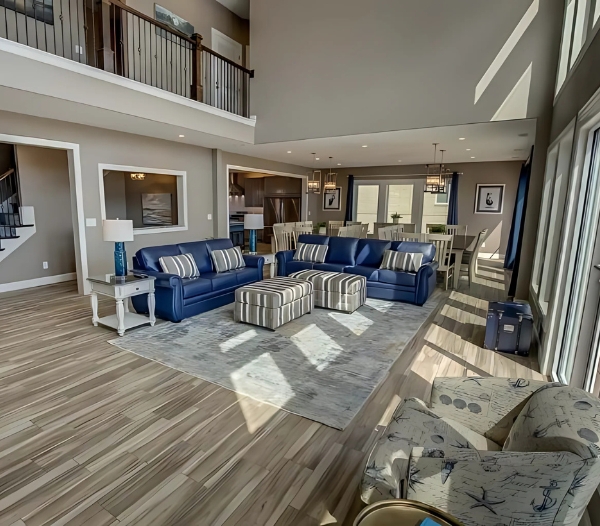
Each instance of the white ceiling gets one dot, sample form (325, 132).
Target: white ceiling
(490, 141)
(240, 7)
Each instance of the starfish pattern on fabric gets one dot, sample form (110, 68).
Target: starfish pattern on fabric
(483, 501)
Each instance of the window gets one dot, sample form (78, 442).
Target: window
(442, 199)
(575, 30)
(367, 204)
(435, 209)
(154, 200)
(399, 201)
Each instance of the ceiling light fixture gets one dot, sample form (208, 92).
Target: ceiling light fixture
(437, 174)
(399, 160)
(138, 177)
(330, 179)
(182, 136)
(313, 185)
(472, 157)
(461, 138)
(289, 151)
(339, 164)
(365, 145)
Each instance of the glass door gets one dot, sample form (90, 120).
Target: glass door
(400, 201)
(367, 204)
(578, 352)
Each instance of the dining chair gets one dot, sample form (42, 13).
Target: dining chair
(283, 233)
(364, 231)
(410, 236)
(409, 227)
(443, 252)
(470, 256)
(456, 230)
(429, 226)
(344, 231)
(351, 223)
(333, 227)
(386, 233)
(301, 229)
(377, 226)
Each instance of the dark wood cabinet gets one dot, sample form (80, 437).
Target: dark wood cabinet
(283, 186)
(254, 193)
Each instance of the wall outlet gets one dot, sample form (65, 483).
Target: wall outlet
(90, 221)
(45, 265)
(209, 217)
(309, 212)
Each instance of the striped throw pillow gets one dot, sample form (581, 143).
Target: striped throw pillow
(227, 259)
(404, 261)
(310, 253)
(183, 266)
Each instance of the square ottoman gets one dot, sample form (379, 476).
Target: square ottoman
(273, 302)
(334, 290)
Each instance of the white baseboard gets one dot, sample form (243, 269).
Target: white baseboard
(37, 282)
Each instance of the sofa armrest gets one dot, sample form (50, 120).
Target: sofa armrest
(163, 279)
(425, 275)
(508, 487)
(254, 261)
(282, 258)
(488, 406)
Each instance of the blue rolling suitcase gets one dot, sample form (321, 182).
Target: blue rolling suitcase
(509, 327)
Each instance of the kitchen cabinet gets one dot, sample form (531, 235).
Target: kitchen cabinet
(254, 193)
(283, 186)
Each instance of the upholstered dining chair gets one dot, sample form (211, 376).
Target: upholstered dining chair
(470, 256)
(443, 253)
(493, 451)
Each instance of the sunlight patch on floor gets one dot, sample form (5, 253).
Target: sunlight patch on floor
(462, 316)
(319, 348)
(233, 342)
(255, 413)
(356, 322)
(380, 305)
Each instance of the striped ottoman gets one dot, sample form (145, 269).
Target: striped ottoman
(334, 290)
(273, 302)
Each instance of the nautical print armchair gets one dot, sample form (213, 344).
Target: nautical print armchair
(495, 451)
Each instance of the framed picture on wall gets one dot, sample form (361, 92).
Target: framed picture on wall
(489, 199)
(332, 199)
(162, 14)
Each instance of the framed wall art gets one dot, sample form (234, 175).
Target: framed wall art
(489, 199)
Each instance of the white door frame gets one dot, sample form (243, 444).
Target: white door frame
(76, 186)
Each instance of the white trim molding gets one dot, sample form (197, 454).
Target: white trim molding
(182, 202)
(76, 186)
(37, 282)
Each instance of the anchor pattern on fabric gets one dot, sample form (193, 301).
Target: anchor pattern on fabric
(548, 502)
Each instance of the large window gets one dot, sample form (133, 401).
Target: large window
(576, 27)
(367, 204)
(400, 201)
(435, 209)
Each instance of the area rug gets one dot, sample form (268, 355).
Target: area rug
(322, 366)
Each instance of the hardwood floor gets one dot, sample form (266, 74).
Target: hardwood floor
(93, 435)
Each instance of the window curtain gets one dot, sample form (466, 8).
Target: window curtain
(453, 201)
(350, 199)
(515, 238)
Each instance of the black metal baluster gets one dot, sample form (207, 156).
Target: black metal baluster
(80, 51)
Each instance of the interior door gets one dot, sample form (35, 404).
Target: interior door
(227, 85)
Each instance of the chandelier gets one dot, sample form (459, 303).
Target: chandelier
(437, 174)
(330, 179)
(138, 177)
(313, 185)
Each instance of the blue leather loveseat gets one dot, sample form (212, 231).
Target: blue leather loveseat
(364, 257)
(178, 298)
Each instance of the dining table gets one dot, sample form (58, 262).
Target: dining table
(460, 244)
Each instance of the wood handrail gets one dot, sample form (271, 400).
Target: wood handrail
(151, 20)
(6, 174)
(225, 59)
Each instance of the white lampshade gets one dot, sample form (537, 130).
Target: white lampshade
(117, 230)
(254, 222)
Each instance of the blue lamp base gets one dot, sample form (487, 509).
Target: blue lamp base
(252, 241)
(120, 260)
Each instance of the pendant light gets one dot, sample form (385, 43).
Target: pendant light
(313, 185)
(437, 174)
(330, 179)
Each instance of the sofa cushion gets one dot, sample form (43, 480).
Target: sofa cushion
(342, 250)
(295, 266)
(183, 265)
(313, 239)
(196, 287)
(402, 261)
(371, 273)
(330, 267)
(246, 275)
(219, 244)
(427, 249)
(310, 252)
(369, 252)
(227, 259)
(148, 257)
(198, 249)
(221, 280)
(406, 279)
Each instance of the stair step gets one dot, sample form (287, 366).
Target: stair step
(2, 236)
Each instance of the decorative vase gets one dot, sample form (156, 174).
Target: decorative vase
(322, 230)
(253, 241)
(395, 220)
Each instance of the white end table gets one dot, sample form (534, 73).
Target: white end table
(121, 289)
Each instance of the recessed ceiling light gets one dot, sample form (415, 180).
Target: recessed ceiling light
(316, 158)
(289, 151)
(365, 145)
(399, 160)
(182, 136)
(461, 138)
(468, 149)
(472, 157)
(339, 164)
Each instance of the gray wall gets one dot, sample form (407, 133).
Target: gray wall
(344, 67)
(104, 146)
(44, 176)
(473, 173)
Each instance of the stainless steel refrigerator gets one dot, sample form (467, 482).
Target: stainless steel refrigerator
(280, 210)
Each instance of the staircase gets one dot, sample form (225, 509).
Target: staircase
(17, 223)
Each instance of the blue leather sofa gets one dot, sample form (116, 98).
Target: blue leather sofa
(364, 257)
(177, 298)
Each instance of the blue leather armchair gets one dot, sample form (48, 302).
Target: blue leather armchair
(364, 257)
(177, 298)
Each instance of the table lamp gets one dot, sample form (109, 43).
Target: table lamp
(253, 222)
(119, 231)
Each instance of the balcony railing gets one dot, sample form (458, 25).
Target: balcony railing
(112, 36)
